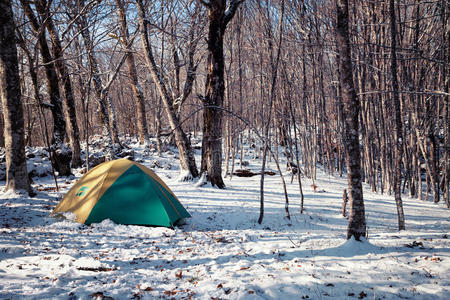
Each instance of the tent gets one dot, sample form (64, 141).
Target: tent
(125, 192)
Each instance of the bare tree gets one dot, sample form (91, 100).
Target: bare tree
(134, 83)
(266, 127)
(398, 120)
(357, 220)
(219, 17)
(62, 155)
(43, 8)
(187, 160)
(16, 164)
(107, 112)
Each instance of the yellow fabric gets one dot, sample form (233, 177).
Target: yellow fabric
(96, 182)
(81, 206)
(117, 168)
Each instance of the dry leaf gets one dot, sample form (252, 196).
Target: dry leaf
(170, 293)
(436, 259)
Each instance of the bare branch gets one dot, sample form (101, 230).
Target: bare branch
(205, 3)
(231, 11)
(117, 69)
(82, 11)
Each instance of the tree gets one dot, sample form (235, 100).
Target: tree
(187, 160)
(357, 221)
(398, 120)
(219, 17)
(62, 155)
(107, 113)
(16, 165)
(134, 83)
(42, 6)
(274, 62)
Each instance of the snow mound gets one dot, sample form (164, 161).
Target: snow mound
(353, 247)
(184, 176)
(89, 263)
(12, 194)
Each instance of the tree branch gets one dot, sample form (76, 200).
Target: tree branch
(105, 89)
(231, 10)
(205, 3)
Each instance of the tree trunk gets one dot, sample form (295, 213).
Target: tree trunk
(72, 127)
(445, 71)
(187, 160)
(344, 203)
(16, 164)
(357, 221)
(398, 121)
(134, 83)
(101, 97)
(215, 90)
(62, 155)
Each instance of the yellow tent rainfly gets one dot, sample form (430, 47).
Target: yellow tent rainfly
(125, 192)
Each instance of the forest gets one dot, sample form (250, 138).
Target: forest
(291, 91)
(169, 70)
(281, 70)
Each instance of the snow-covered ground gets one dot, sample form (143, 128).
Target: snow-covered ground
(222, 252)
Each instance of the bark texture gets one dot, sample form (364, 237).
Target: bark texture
(357, 221)
(72, 127)
(62, 155)
(219, 17)
(398, 120)
(16, 165)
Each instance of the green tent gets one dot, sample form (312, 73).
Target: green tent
(125, 192)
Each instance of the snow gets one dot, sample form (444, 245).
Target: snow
(222, 252)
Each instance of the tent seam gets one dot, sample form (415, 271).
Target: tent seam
(101, 186)
(158, 185)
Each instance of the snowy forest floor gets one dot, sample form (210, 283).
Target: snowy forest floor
(222, 252)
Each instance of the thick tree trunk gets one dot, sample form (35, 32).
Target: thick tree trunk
(134, 83)
(398, 121)
(219, 17)
(72, 127)
(62, 155)
(215, 89)
(357, 221)
(16, 164)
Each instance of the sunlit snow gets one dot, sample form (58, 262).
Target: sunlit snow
(222, 252)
